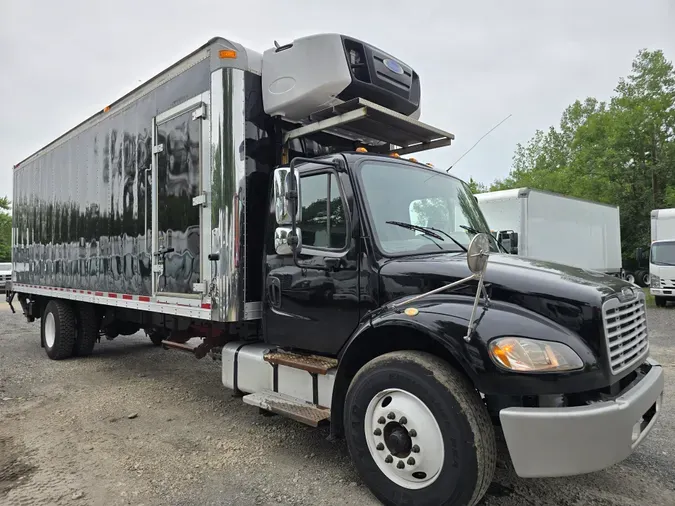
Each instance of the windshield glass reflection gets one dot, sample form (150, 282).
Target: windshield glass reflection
(408, 194)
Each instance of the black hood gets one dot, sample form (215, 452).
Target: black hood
(570, 296)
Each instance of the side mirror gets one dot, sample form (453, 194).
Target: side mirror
(514, 243)
(478, 253)
(286, 196)
(281, 245)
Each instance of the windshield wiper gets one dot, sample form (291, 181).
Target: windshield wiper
(426, 232)
(430, 231)
(472, 230)
(449, 237)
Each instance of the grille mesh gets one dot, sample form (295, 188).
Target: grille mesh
(626, 331)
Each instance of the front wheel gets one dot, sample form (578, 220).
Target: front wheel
(660, 301)
(418, 432)
(646, 279)
(630, 277)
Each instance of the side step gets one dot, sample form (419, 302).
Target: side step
(313, 364)
(288, 406)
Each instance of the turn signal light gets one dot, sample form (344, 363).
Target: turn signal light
(227, 53)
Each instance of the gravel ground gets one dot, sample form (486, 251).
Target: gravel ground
(134, 424)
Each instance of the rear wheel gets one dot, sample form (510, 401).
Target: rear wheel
(660, 301)
(418, 432)
(58, 329)
(630, 277)
(646, 278)
(87, 330)
(639, 278)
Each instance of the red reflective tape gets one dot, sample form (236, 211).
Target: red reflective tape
(143, 298)
(88, 292)
(112, 295)
(206, 306)
(98, 294)
(127, 297)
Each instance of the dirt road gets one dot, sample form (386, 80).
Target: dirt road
(134, 424)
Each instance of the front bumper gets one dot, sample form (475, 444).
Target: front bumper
(549, 442)
(662, 292)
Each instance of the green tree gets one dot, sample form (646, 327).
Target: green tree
(5, 230)
(621, 152)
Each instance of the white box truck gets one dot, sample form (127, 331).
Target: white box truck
(552, 227)
(662, 256)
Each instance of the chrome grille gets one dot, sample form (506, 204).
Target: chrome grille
(668, 283)
(625, 325)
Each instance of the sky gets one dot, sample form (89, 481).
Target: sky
(478, 61)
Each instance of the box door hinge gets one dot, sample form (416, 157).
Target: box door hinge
(199, 200)
(158, 268)
(199, 113)
(157, 149)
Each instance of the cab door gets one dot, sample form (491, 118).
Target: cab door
(180, 153)
(314, 306)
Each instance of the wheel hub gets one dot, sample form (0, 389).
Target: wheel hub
(397, 440)
(404, 439)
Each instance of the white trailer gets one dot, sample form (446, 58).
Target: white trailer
(662, 256)
(552, 227)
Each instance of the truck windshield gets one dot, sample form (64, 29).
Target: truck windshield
(5, 266)
(399, 194)
(663, 253)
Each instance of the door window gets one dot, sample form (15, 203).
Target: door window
(324, 223)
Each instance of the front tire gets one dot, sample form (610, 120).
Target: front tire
(58, 330)
(660, 301)
(418, 432)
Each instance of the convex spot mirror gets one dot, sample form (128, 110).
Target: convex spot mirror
(281, 245)
(284, 205)
(478, 253)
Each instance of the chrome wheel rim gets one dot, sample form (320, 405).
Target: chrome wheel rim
(404, 439)
(50, 330)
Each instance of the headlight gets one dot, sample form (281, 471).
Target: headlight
(654, 281)
(522, 354)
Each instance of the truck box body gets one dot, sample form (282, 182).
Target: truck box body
(663, 225)
(556, 228)
(85, 209)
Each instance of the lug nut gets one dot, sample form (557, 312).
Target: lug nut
(377, 432)
(403, 420)
(389, 459)
(391, 416)
(415, 449)
(411, 461)
(400, 464)
(412, 433)
(380, 446)
(381, 420)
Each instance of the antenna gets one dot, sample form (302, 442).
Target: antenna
(476, 144)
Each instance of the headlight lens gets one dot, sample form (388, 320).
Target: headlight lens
(654, 281)
(522, 354)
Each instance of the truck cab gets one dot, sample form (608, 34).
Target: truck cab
(662, 256)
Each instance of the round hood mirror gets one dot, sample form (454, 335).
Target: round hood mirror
(478, 253)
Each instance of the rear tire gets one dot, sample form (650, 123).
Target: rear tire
(418, 432)
(157, 336)
(58, 330)
(87, 330)
(630, 277)
(646, 278)
(660, 301)
(639, 278)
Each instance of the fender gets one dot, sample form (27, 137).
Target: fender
(440, 326)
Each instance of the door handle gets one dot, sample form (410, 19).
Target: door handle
(274, 291)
